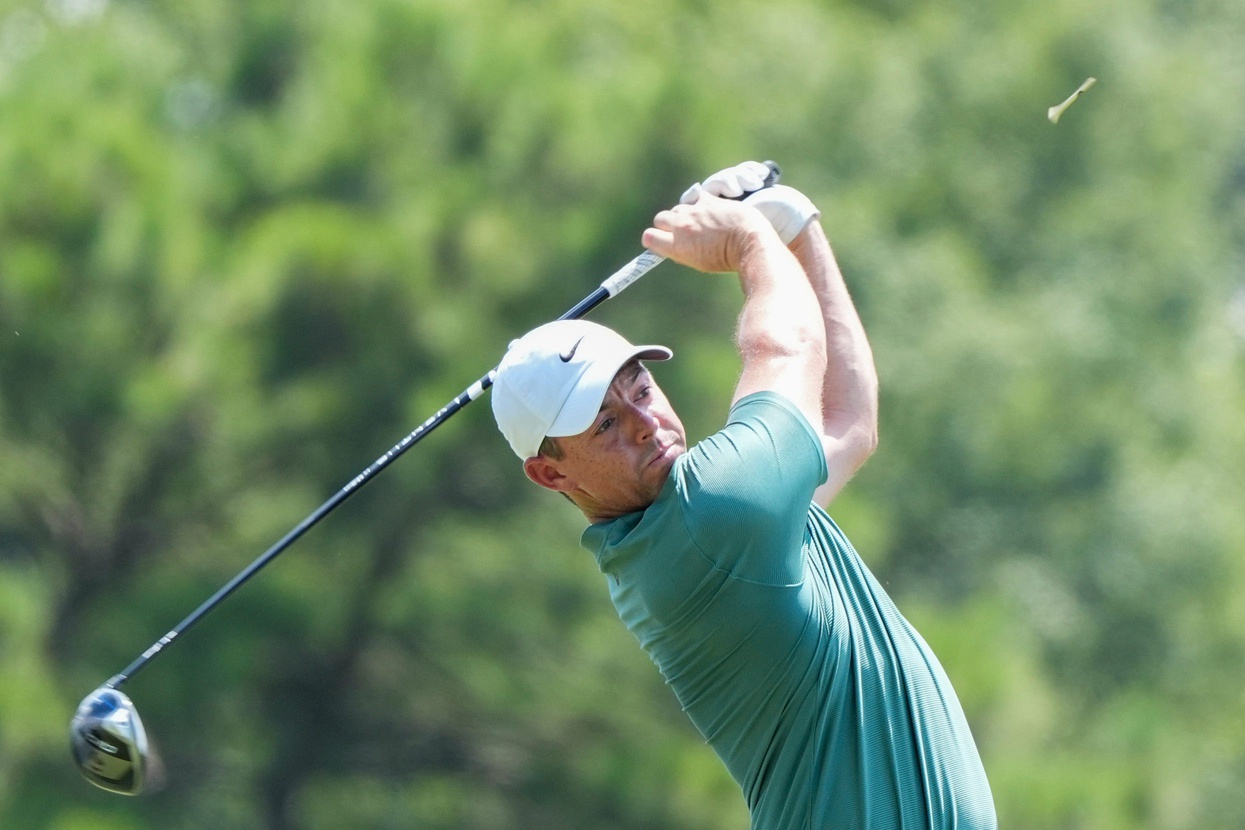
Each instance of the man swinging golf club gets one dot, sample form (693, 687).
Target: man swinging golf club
(824, 704)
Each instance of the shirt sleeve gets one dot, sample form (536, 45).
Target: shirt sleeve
(747, 490)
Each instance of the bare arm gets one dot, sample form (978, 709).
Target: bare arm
(780, 333)
(849, 388)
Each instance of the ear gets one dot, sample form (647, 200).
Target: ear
(544, 471)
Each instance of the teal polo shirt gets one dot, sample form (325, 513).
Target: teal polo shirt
(826, 706)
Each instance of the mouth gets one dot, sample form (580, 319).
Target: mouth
(666, 452)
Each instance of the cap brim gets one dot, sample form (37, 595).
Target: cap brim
(583, 404)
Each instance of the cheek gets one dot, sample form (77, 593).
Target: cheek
(599, 464)
(662, 403)
(614, 464)
(669, 417)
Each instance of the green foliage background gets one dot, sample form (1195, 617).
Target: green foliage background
(246, 246)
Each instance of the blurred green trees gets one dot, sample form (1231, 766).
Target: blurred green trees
(245, 247)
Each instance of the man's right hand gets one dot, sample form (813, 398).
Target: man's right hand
(711, 235)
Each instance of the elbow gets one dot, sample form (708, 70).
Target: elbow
(865, 443)
(869, 440)
(859, 439)
(870, 430)
(870, 422)
(857, 424)
(869, 418)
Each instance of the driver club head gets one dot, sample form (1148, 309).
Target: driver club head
(109, 743)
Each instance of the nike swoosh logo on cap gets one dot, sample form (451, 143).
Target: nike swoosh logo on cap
(566, 356)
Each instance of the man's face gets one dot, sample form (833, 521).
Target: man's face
(619, 464)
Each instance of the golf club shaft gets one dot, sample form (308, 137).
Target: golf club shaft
(615, 284)
(611, 287)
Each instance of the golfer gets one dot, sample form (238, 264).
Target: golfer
(825, 705)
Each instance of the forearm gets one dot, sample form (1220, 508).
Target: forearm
(780, 334)
(849, 389)
(799, 333)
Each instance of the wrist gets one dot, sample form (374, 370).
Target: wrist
(787, 209)
(754, 246)
(811, 238)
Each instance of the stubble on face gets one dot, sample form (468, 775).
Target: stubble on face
(621, 462)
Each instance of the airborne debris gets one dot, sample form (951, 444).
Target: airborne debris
(1055, 112)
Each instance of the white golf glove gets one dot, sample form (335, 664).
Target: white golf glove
(788, 210)
(730, 183)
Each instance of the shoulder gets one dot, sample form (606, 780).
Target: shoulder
(768, 432)
(762, 467)
(771, 407)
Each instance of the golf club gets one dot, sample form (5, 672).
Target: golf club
(107, 737)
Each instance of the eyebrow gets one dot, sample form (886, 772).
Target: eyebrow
(636, 368)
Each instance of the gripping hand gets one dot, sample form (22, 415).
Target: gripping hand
(788, 210)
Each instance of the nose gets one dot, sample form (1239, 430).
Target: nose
(641, 423)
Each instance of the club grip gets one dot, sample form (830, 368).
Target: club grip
(771, 179)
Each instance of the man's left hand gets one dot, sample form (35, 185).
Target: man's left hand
(788, 210)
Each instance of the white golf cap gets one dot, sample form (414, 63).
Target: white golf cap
(553, 379)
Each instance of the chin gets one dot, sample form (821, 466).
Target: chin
(665, 463)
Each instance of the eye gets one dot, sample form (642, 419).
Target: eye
(604, 425)
(644, 390)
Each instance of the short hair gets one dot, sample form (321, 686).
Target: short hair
(550, 449)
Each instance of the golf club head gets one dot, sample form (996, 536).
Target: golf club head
(109, 743)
